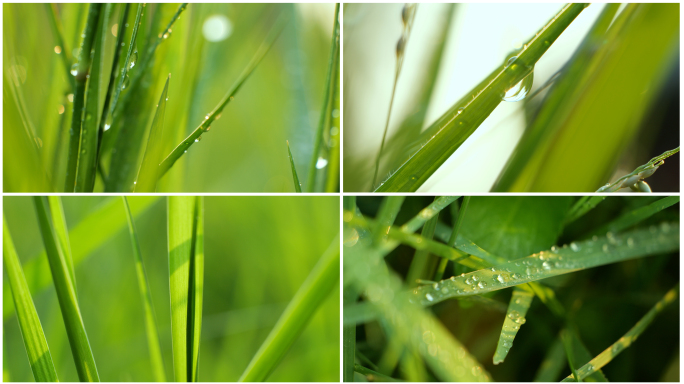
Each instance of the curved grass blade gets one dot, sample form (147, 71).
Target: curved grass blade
(577, 353)
(332, 180)
(31, 331)
(78, 339)
(447, 134)
(515, 318)
(322, 279)
(186, 268)
(422, 264)
(578, 256)
(427, 213)
(582, 206)
(149, 168)
(108, 218)
(329, 88)
(630, 218)
(553, 363)
(58, 31)
(150, 325)
(180, 149)
(453, 237)
(640, 173)
(86, 166)
(295, 178)
(59, 223)
(387, 213)
(625, 341)
(80, 71)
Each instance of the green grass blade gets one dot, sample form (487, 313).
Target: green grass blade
(422, 263)
(625, 341)
(427, 213)
(332, 181)
(181, 148)
(31, 331)
(58, 31)
(196, 290)
(80, 72)
(126, 62)
(327, 96)
(321, 281)
(78, 339)
(59, 223)
(348, 337)
(108, 218)
(453, 237)
(86, 166)
(150, 325)
(630, 218)
(640, 173)
(371, 375)
(447, 134)
(577, 354)
(553, 363)
(295, 178)
(149, 169)
(568, 345)
(578, 256)
(387, 213)
(582, 206)
(515, 318)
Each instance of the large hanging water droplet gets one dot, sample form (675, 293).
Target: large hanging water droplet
(133, 60)
(321, 163)
(519, 90)
(74, 69)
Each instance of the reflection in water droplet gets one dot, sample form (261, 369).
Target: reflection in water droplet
(429, 297)
(482, 284)
(133, 60)
(574, 246)
(126, 82)
(321, 163)
(74, 69)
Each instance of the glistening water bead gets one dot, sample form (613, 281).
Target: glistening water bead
(522, 88)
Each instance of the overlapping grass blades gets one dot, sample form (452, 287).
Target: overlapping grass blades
(150, 324)
(78, 339)
(35, 343)
(62, 234)
(149, 169)
(186, 271)
(321, 281)
(637, 215)
(295, 178)
(577, 354)
(447, 134)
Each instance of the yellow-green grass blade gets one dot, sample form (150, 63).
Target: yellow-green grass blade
(108, 218)
(185, 280)
(181, 148)
(600, 113)
(80, 72)
(58, 32)
(387, 213)
(327, 98)
(295, 178)
(625, 341)
(582, 206)
(447, 134)
(515, 318)
(427, 213)
(454, 234)
(78, 339)
(635, 216)
(150, 324)
(332, 181)
(86, 166)
(578, 256)
(322, 279)
(31, 330)
(641, 172)
(149, 169)
(62, 233)
(422, 264)
(553, 363)
(577, 354)
(372, 375)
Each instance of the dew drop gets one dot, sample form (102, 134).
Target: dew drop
(630, 242)
(481, 284)
(133, 59)
(554, 249)
(460, 110)
(500, 279)
(469, 281)
(518, 91)
(198, 139)
(58, 49)
(475, 278)
(429, 297)
(574, 246)
(74, 69)
(605, 248)
(546, 265)
(126, 82)
(321, 163)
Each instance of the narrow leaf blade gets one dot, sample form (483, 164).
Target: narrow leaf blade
(295, 178)
(149, 168)
(515, 318)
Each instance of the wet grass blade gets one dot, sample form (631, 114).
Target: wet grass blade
(454, 235)
(58, 31)
(422, 264)
(327, 97)
(578, 256)
(186, 268)
(80, 72)
(515, 318)
(322, 279)
(447, 134)
(108, 218)
(78, 339)
(150, 325)
(332, 181)
(149, 168)
(640, 173)
(295, 178)
(371, 375)
(181, 148)
(577, 354)
(625, 341)
(387, 213)
(635, 216)
(59, 223)
(427, 213)
(553, 363)
(31, 331)
(127, 60)
(582, 206)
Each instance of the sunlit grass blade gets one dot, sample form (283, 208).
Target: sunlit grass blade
(31, 330)
(625, 341)
(553, 363)
(295, 178)
(149, 169)
(387, 213)
(322, 279)
(332, 181)
(177, 152)
(108, 218)
(577, 354)
(78, 339)
(582, 206)
(62, 233)
(186, 268)
(515, 318)
(58, 31)
(640, 173)
(327, 98)
(427, 213)
(578, 256)
(150, 324)
(80, 72)
(372, 375)
(635, 216)
(447, 134)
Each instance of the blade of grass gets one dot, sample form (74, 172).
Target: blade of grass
(149, 168)
(578, 256)
(577, 354)
(553, 363)
(447, 134)
(348, 337)
(427, 213)
(625, 341)
(371, 375)
(332, 180)
(196, 291)
(632, 217)
(59, 223)
(310, 295)
(78, 339)
(150, 325)
(453, 237)
(327, 96)
(31, 331)
(387, 213)
(582, 206)
(108, 218)
(568, 346)
(181, 148)
(295, 178)
(515, 318)
(422, 263)
(641, 172)
(58, 31)
(80, 71)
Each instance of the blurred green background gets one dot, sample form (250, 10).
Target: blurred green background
(258, 251)
(208, 49)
